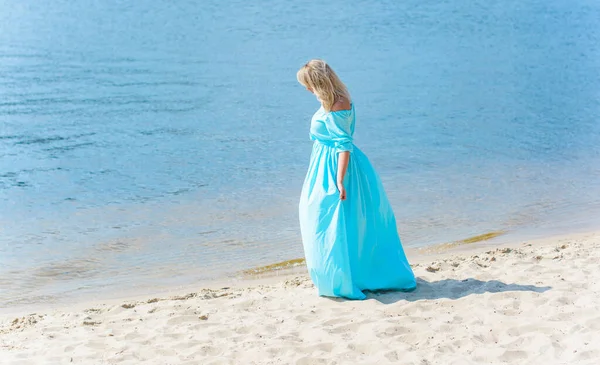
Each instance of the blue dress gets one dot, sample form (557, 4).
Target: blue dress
(351, 245)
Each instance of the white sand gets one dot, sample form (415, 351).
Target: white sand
(536, 304)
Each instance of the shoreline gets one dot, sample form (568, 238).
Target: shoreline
(530, 302)
(275, 272)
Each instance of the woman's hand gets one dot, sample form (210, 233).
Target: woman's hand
(342, 189)
(343, 158)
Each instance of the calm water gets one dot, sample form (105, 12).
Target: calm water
(150, 144)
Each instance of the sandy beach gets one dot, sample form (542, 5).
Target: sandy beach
(526, 303)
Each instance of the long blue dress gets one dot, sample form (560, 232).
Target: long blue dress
(351, 245)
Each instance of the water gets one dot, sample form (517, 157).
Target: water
(148, 145)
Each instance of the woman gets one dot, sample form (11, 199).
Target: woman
(348, 227)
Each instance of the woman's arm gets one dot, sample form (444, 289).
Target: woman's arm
(343, 158)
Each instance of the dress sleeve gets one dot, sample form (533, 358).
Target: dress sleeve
(339, 130)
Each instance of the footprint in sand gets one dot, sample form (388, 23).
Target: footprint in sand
(206, 350)
(182, 320)
(303, 318)
(335, 321)
(243, 330)
(588, 355)
(368, 349)
(96, 344)
(392, 356)
(311, 361)
(512, 356)
(321, 347)
(593, 324)
(221, 334)
(393, 331)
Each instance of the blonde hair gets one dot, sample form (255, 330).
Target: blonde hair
(324, 82)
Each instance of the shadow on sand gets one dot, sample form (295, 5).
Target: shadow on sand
(451, 289)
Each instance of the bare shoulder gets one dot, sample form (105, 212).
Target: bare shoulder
(342, 104)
